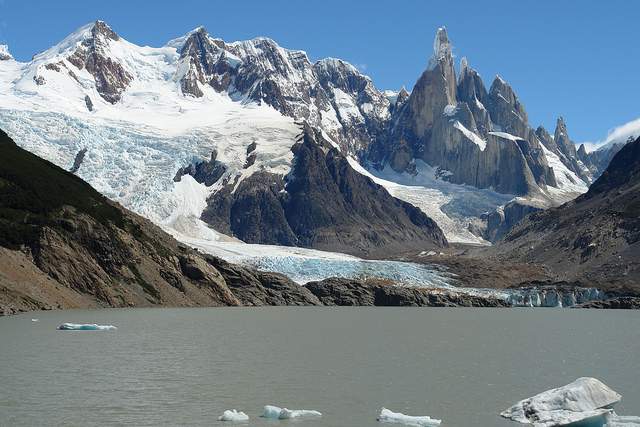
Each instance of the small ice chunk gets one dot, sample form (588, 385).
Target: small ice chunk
(387, 416)
(35, 320)
(85, 327)
(233, 415)
(585, 399)
(276, 412)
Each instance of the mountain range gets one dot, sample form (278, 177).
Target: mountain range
(248, 140)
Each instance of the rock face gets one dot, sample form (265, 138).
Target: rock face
(205, 172)
(595, 238)
(585, 399)
(63, 245)
(322, 203)
(329, 94)
(346, 292)
(501, 221)
(482, 138)
(93, 55)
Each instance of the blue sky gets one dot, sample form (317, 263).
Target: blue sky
(579, 59)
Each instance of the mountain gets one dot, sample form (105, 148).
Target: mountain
(596, 237)
(202, 132)
(64, 245)
(322, 203)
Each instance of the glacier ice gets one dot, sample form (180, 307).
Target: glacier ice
(387, 416)
(275, 412)
(85, 327)
(584, 400)
(233, 415)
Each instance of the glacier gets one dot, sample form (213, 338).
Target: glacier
(387, 416)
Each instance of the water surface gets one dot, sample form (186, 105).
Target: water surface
(184, 367)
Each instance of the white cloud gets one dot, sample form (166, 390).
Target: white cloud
(617, 134)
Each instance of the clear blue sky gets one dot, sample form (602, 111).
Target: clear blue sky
(575, 58)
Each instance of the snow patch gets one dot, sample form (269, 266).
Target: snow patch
(472, 136)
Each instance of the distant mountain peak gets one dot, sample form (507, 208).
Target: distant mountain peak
(4, 53)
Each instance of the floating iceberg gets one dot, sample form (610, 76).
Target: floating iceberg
(276, 412)
(614, 420)
(85, 327)
(233, 415)
(584, 400)
(387, 416)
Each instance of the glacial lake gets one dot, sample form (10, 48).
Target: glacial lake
(184, 367)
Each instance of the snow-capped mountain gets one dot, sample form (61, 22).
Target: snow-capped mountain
(173, 132)
(206, 129)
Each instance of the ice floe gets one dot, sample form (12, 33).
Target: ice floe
(387, 416)
(584, 400)
(85, 327)
(614, 420)
(233, 415)
(275, 412)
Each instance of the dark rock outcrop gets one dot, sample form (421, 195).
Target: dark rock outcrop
(347, 292)
(324, 204)
(77, 162)
(204, 172)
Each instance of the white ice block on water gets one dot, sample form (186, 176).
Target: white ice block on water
(85, 327)
(584, 400)
(275, 412)
(233, 415)
(387, 416)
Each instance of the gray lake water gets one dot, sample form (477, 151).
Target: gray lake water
(184, 367)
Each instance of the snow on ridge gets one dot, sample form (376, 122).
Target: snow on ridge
(617, 135)
(569, 186)
(505, 135)
(472, 136)
(451, 206)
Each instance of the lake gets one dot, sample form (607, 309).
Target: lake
(184, 367)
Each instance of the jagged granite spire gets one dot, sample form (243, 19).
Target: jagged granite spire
(561, 137)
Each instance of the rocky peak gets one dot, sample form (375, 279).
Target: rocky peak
(562, 140)
(546, 139)
(505, 108)
(470, 84)
(5, 55)
(93, 53)
(402, 97)
(201, 55)
(101, 29)
(442, 60)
